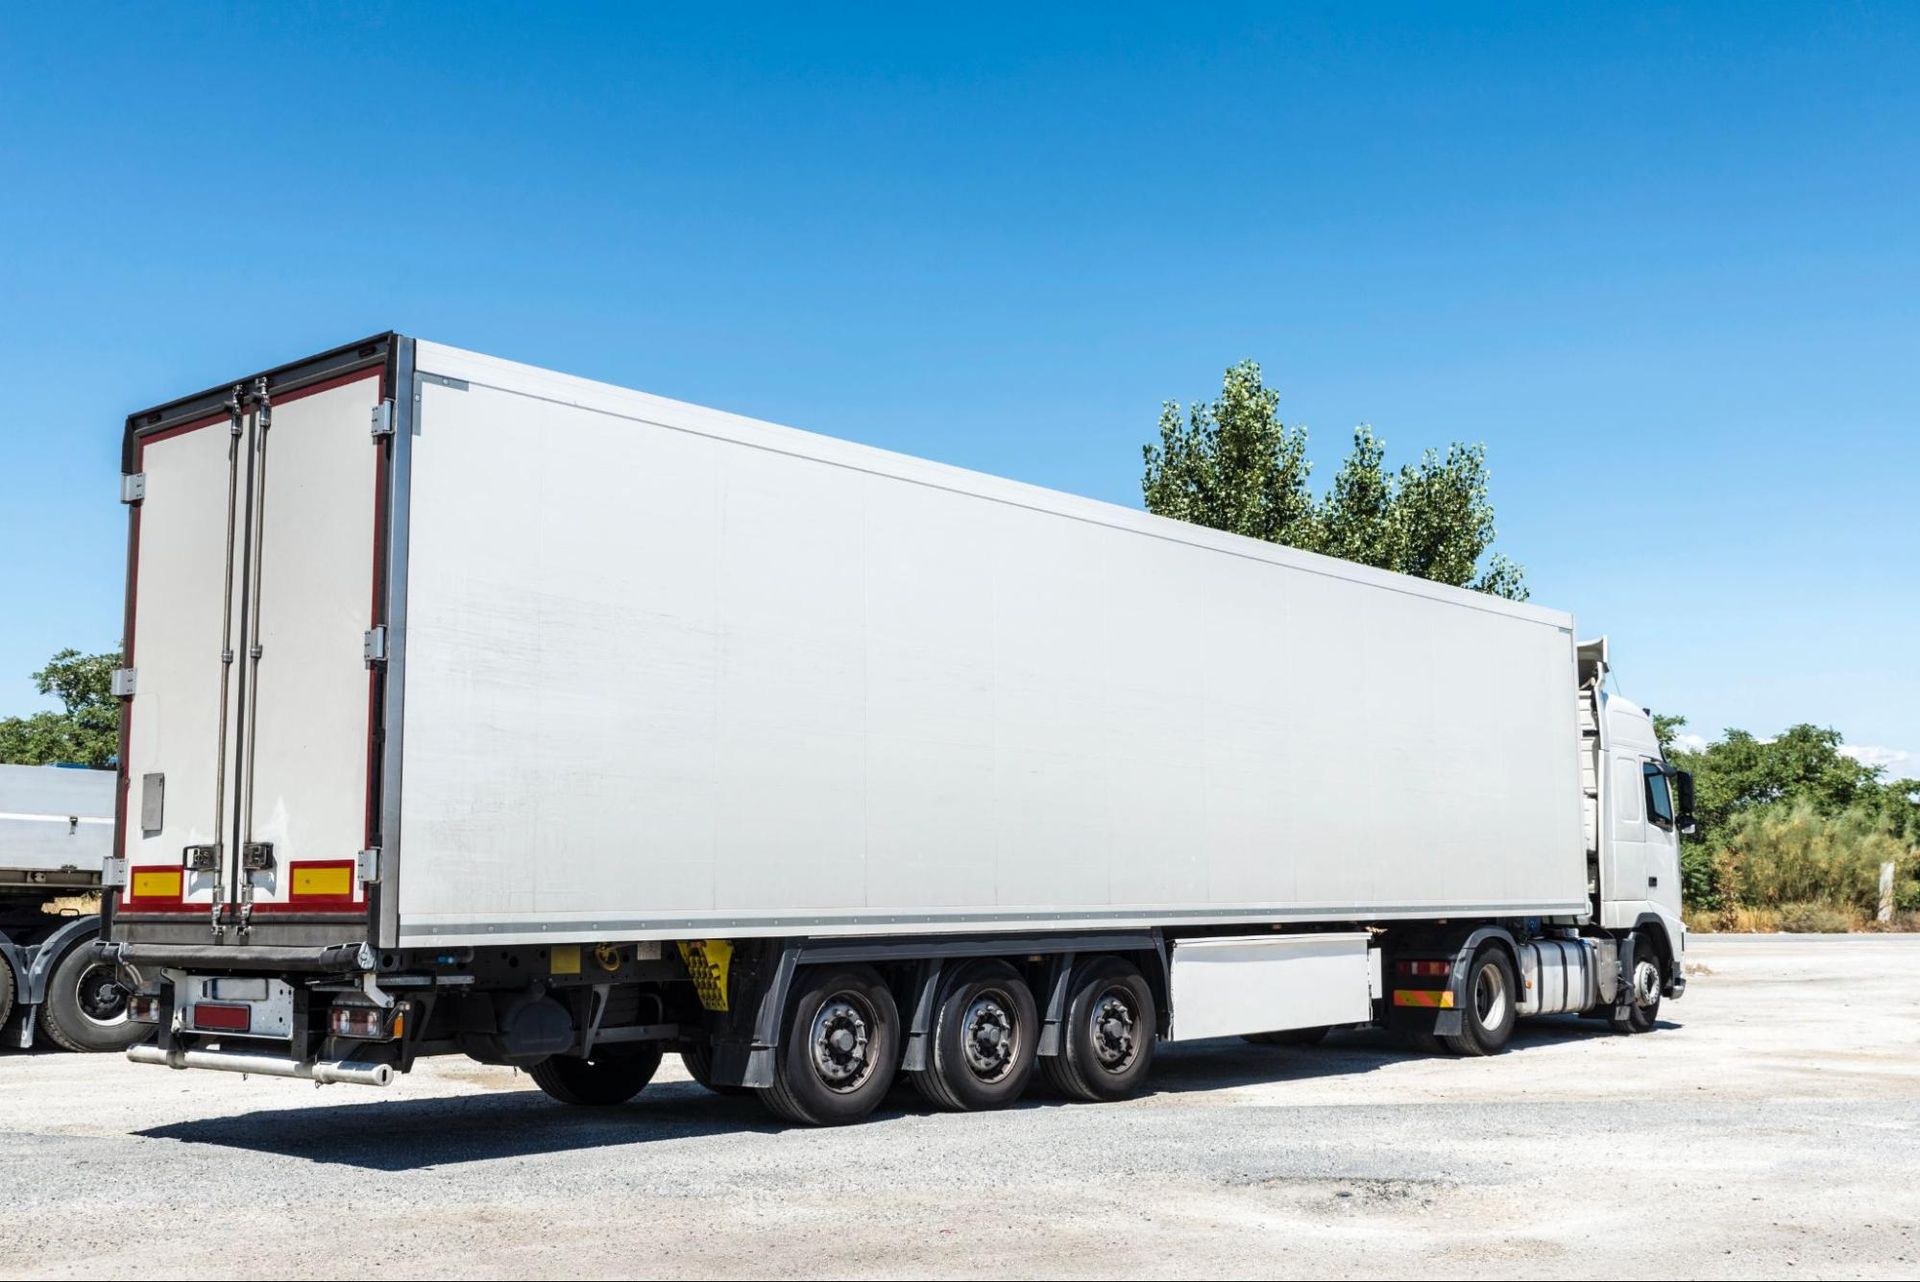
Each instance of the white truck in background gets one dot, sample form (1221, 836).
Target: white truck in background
(477, 709)
(56, 831)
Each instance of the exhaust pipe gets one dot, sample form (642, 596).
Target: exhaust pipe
(356, 1072)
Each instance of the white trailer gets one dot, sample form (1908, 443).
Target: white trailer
(56, 831)
(474, 707)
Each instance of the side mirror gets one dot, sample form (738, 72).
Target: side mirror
(1683, 785)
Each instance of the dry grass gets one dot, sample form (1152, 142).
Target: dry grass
(1800, 918)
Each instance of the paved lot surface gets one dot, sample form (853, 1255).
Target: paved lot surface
(1770, 1127)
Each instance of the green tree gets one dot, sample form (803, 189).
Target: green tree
(1234, 465)
(1667, 729)
(1760, 801)
(87, 729)
(1801, 764)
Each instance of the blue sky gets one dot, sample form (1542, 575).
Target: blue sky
(1664, 261)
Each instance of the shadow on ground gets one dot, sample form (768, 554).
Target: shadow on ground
(408, 1135)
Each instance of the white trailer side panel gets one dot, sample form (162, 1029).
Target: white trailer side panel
(54, 820)
(674, 672)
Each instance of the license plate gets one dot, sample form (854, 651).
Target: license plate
(237, 1006)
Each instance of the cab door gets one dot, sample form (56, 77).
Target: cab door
(1661, 838)
(1627, 860)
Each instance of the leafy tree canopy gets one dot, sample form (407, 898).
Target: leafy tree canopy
(1802, 765)
(87, 729)
(1234, 465)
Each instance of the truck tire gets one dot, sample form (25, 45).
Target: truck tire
(1106, 1045)
(601, 1079)
(86, 1005)
(985, 1034)
(7, 987)
(1289, 1037)
(697, 1057)
(1648, 978)
(1486, 1023)
(840, 1051)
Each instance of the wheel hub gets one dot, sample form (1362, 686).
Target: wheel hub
(1490, 995)
(989, 1037)
(1646, 983)
(1114, 1034)
(840, 1037)
(102, 998)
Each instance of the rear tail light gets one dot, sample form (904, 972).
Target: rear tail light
(143, 1008)
(218, 1017)
(1425, 969)
(368, 1023)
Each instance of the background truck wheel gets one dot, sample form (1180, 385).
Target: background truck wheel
(840, 1050)
(985, 1034)
(601, 1079)
(1288, 1037)
(6, 990)
(698, 1059)
(1487, 1022)
(1107, 1042)
(1646, 981)
(86, 1005)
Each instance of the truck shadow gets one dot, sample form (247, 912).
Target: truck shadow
(417, 1134)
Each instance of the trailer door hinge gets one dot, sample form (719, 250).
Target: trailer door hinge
(133, 487)
(113, 871)
(383, 420)
(367, 865)
(124, 680)
(373, 645)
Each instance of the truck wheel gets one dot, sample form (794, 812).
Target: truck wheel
(1288, 1037)
(840, 1051)
(601, 1079)
(698, 1059)
(6, 990)
(1487, 1022)
(985, 1034)
(1647, 979)
(86, 1006)
(1107, 1042)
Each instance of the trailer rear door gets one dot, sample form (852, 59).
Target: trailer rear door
(254, 586)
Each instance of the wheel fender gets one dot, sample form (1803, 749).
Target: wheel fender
(929, 978)
(75, 934)
(1448, 1022)
(1668, 937)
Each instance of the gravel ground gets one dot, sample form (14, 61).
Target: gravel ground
(1769, 1127)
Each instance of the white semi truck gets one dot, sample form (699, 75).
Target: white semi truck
(478, 709)
(56, 830)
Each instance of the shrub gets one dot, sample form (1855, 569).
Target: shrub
(1700, 884)
(1814, 919)
(1783, 855)
(1906, 895)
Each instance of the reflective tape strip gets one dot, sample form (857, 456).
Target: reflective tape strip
(333, 879)
(156, 883)
(1435, 998)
